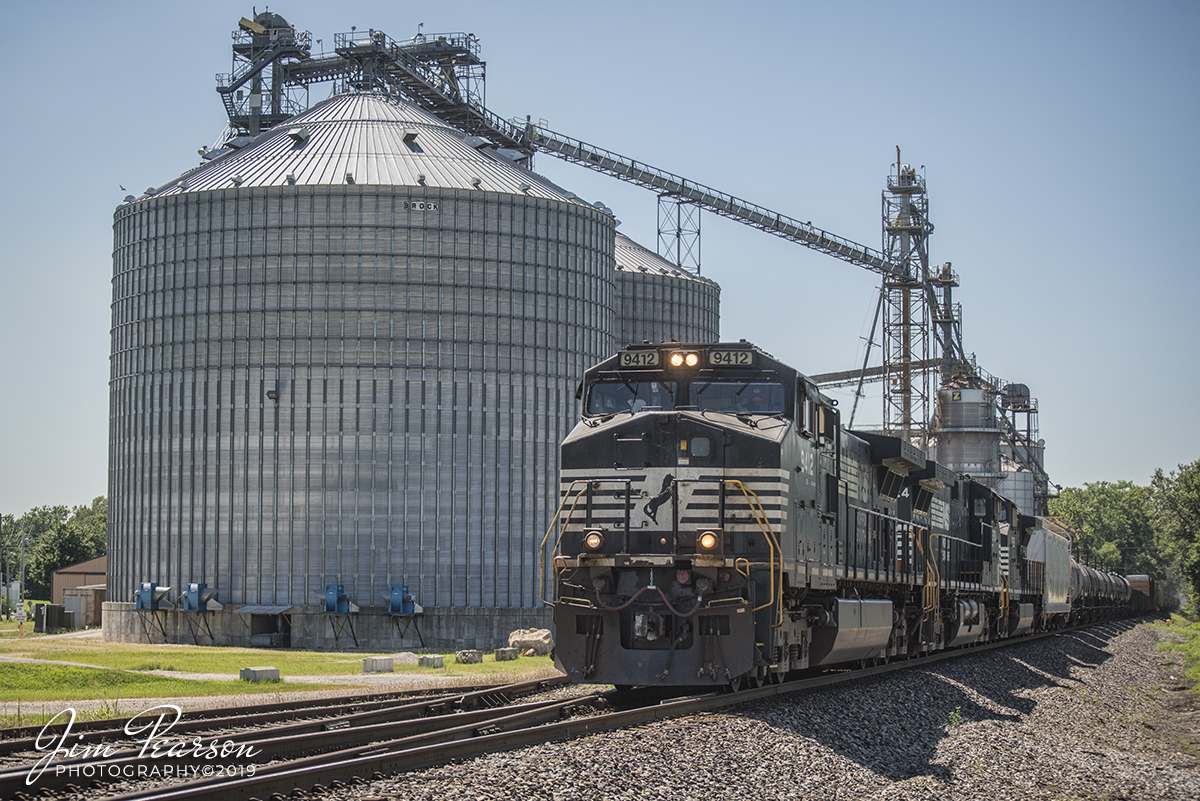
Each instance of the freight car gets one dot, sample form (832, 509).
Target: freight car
(719, 526)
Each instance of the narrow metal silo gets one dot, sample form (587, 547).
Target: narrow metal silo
(658, 302)
(346, 354)
(968, 434)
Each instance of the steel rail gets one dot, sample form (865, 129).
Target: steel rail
(24, 738)
(303, 737)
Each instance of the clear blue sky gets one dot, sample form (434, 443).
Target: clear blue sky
(1060, 142)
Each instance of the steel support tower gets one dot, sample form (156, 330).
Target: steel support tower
(907, 341)
(679, 232)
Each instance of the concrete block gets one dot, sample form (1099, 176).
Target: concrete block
(540, 641)
(259, 674)
(470, 656)
(378, 664)
(404, 658)
(507, 654)
(435, 661)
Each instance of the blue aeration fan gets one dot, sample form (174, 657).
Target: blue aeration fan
(200, 598)
(401, 603)
(152, 596)
(337, 602)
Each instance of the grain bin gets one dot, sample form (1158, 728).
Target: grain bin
(659, 302)
(346, 353)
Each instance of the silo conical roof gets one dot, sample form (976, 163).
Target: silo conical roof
(369, 139)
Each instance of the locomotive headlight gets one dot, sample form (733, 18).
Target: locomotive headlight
(593, 540)
(708, 541)
(683, 359)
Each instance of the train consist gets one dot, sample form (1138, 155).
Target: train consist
(720, 527)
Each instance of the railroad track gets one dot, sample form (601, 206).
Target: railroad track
(17, 739)
(372, 750)
(74, 769)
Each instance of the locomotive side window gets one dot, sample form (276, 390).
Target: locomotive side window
(611, 397)
(740, 397)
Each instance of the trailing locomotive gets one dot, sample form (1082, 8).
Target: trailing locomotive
(719, 526)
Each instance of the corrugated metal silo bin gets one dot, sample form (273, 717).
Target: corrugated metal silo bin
(347, 354)
(659, 302)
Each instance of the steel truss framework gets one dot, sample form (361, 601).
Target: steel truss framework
(679, 232)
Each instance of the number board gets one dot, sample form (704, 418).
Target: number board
(731, 358)
(639, 358)
(421, 205)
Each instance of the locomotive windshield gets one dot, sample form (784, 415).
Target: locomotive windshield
(740, 397)
(611, 397)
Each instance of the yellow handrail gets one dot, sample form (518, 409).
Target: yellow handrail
(553, 523)
(760, 517)
(932, 588)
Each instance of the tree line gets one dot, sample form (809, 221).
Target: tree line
(54, 537)
(1133, 529)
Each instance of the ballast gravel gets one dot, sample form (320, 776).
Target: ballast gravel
(1078, 716)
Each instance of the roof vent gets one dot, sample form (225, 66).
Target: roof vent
(183, 186)
(476, 181)
(149, 190)
(410, 135)
(237, 180)
(130, 198)
(290, 178)
(525, 187)
(349, 177)
(479, 142)
(298, 135)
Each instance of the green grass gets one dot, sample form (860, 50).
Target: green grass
(193, 659)
(116, 674)
(26, 682)
(41, 691)
(1189, 646)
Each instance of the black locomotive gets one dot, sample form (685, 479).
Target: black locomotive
(718, 526)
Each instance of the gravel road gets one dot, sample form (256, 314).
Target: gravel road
(1094, 714)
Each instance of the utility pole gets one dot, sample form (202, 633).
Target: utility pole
(6, 601)
(21, 608)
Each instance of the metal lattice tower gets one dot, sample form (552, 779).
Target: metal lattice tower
(679, 232)
(907, 340)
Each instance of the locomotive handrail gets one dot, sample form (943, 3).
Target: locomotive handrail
(554, 522)
(933, 588)
(914, 529)
(760, 516)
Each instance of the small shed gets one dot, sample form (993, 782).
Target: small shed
(78, 575)
(87, 604)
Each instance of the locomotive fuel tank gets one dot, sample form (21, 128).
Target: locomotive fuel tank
(857, 629)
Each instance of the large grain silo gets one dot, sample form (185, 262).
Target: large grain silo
(659, 302)
(346, 354)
